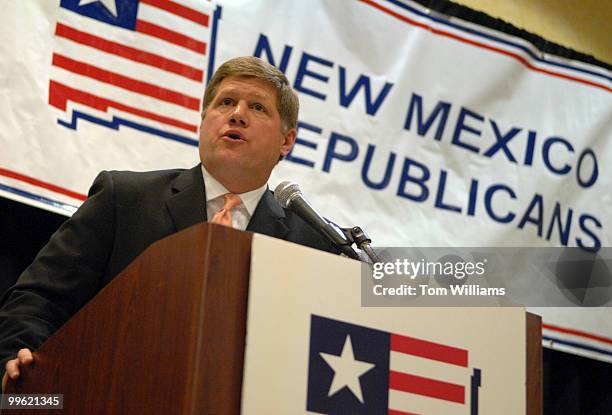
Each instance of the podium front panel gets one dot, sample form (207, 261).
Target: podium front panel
(312, 348)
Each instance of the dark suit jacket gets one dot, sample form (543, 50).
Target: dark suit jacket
(124, 214)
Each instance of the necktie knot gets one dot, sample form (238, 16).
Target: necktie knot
(231, 201)
(224, 215)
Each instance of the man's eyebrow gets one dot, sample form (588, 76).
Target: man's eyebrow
(255, 94)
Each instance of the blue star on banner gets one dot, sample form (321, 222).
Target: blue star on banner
(120, 13)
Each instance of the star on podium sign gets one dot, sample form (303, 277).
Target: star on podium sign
(347, 370)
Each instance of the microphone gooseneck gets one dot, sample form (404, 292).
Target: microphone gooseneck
(289, 196)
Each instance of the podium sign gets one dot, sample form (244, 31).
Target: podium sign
(312, 348)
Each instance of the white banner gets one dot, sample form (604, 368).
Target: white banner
(422, 129)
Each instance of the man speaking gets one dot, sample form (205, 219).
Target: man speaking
(248, 124)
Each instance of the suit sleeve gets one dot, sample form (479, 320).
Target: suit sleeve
(65, 275)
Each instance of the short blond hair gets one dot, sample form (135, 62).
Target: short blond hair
(287, 102)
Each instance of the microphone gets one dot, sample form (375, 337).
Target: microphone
(289, 195)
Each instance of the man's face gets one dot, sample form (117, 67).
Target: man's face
(240, 135)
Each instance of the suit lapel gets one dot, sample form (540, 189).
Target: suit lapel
(187, 206)
(268, 218)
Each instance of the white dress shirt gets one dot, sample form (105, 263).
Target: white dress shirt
(241, 214)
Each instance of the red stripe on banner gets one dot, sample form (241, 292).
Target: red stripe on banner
(180, 10)
(125, 82)
(577, 333)
(396, 412)
(40, 183)
(130, 53)
(429, 350)
(171, 36)
(59, 94)
(427, 387)
(519, 58)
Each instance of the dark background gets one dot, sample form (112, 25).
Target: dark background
(572, 385)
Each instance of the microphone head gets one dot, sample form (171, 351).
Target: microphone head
(285, 192)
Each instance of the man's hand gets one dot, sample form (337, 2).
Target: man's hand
(24, 357)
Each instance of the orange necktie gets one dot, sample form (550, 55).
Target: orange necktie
(224, 215)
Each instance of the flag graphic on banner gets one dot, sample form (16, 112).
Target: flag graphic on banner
(140, 64)
(359, 370)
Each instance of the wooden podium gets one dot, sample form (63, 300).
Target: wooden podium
(168, 335)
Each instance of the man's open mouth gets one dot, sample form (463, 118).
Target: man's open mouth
(234, 135)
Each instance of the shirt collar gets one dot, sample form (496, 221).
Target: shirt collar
(215, 189)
